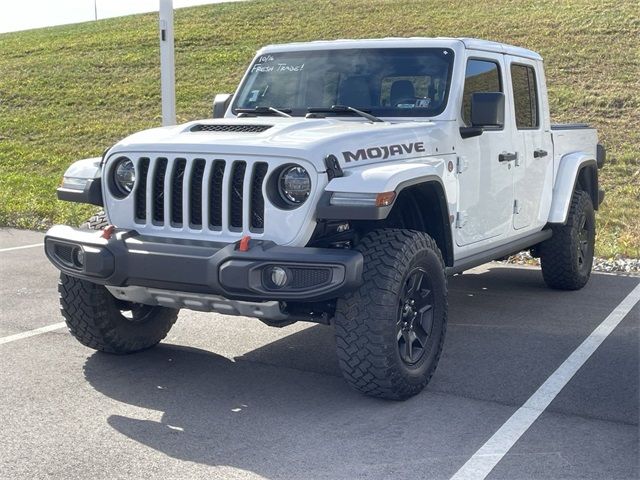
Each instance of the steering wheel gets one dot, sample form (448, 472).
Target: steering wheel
(404, 101)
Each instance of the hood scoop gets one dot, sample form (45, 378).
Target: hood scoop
(237, 128)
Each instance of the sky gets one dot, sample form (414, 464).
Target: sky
(26, 14)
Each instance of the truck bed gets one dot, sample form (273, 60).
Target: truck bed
(570, 138)
(569, 126)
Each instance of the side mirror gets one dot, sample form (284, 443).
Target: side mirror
(487, 109)
(221, 104)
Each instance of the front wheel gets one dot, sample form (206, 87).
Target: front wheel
(390, 332)
(100, 321)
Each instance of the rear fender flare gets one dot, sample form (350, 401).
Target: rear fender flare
(571, 165)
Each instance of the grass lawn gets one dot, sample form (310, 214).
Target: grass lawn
(69, 92)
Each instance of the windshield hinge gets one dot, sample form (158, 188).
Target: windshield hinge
(334, 169)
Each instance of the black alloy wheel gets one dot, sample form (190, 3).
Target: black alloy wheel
(415, 317)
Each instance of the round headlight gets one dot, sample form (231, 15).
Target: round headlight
(124, 176)
(294, 185)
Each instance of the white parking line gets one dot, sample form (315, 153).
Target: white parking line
(21, 248)
(488, 456)
(31, 333)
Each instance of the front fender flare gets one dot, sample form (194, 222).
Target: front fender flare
(82, 182)
(375, 179)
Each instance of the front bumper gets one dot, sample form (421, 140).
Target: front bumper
(204, 267)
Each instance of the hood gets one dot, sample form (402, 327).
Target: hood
(353, 141)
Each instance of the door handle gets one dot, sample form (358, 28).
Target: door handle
(507, 157)
(539, 153)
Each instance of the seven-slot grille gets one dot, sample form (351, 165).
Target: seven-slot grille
(200, 194)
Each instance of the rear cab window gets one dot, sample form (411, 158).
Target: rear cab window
(525, 96)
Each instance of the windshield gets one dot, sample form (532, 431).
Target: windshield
(392, 82)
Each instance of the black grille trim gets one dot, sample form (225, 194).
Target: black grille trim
(230, 128)
(158, 190)
(64, 253)
(195, 197)
(305, 278)
(177, 185)
(141, 190)
(257, 199)
(216, 180)
(236, 193)
(205, 194)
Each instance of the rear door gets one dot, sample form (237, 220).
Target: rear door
(485, 183)
(532, 172)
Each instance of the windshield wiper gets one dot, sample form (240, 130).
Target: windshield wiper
(344, 109)
(266, 111)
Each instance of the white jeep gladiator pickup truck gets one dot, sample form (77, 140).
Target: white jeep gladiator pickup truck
(340, 184)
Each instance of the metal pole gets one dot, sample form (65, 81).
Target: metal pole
(167, 64)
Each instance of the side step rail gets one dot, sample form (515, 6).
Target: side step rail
(498, 252)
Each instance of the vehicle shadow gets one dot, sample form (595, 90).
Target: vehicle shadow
(277, 422)
(283, 410)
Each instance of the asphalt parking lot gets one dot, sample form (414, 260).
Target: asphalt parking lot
(230, 398)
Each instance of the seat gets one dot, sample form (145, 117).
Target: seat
(401, 90)
(431, 93)
(355, 92)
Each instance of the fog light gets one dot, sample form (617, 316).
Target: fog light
(78, 257)
(279, 277)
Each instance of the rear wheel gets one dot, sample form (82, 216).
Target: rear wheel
(567, 257)
(390, 332)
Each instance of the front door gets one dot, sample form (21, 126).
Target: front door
(485, 183)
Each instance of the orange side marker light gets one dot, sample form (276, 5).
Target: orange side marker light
(385, 199)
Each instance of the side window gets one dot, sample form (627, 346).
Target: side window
(480, 76)
(525, 96)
